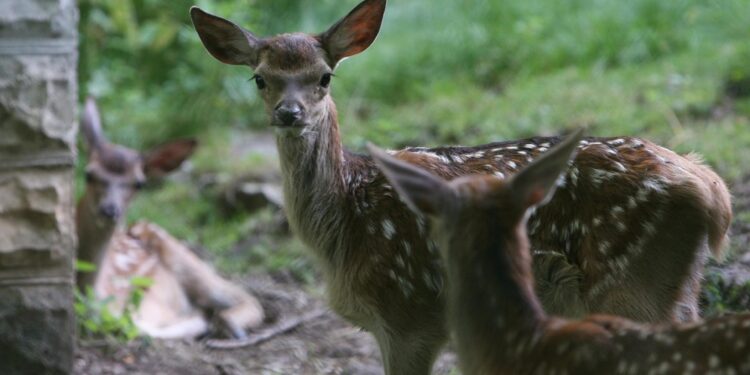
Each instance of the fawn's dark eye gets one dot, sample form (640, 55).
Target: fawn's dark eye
(325, 80)
(259, 81)
(90, 177)
(138, 185)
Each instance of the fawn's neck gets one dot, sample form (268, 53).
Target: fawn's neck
(492, 307)
(94, 236)
(313, 168)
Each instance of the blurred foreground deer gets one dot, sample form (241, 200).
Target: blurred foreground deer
(184, 288)
(629, 234)
(499, 323)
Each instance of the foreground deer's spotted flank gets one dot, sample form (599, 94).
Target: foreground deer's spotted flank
(337, 203)
(480, 227)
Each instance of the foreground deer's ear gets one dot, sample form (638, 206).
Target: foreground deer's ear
(167, 157)
(424, 192)
(227, 42)
(91, 125)
(535, 184)
(353, 33)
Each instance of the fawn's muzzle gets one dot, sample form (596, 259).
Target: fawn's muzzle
(287, 114)
(110, 211)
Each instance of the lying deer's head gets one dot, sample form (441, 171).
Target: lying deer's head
(114, 173)
(292, 71)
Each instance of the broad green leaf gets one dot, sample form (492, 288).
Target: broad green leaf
(84, 266)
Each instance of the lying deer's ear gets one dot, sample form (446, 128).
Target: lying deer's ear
(353, 33)
(535, 184)
(227, 42)
(91, 125)
(167, 157)
(422, 191)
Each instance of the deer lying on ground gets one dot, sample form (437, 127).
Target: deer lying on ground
(498, 322)
(184, 288)
(598, 245)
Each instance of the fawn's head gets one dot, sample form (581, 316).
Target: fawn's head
(292, 71)
(478, 209)
(114, 173)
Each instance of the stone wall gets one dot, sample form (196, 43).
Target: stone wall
(38, 57)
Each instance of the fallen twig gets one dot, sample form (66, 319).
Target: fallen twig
(282, 327)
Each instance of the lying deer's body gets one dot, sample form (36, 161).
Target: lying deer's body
(184, 288)
(384, 275)
(499, 324)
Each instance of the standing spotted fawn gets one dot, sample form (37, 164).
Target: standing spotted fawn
(629, 232)
(184, 287)
(500, 327)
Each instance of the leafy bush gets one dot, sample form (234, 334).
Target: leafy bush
(96, 320)
(145, 61)
(153, 78)
(718, 297)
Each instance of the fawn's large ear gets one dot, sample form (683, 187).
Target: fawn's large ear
(167, 157)
(227, 42)
(535, 184)
(353, 33)
(424, 192)
(91, 125)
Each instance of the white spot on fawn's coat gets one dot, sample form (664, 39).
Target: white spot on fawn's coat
(388, 229)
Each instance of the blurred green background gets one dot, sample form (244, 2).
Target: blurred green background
(440, 72)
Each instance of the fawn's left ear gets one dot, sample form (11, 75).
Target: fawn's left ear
(424, 192)
(91, 125)
(535, 184)
(167, 157)
(353, 33)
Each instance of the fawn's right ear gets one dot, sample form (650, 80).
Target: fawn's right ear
(536, 183)
(227, 42)
(91, 125)
(422, 191)
(353, 33)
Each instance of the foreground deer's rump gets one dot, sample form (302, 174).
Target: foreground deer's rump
(629, 234)
(184, 288)
(500, 325)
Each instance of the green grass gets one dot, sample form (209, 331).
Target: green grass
(669, 101)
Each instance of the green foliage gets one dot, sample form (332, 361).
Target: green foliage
(96, 320)
(145, 61)
(153, 78)
(84, 266)
(718, 297)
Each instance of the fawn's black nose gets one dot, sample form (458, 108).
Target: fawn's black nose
(110, 211)
(287, 114)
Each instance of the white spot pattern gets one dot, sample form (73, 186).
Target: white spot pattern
(388, 229)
